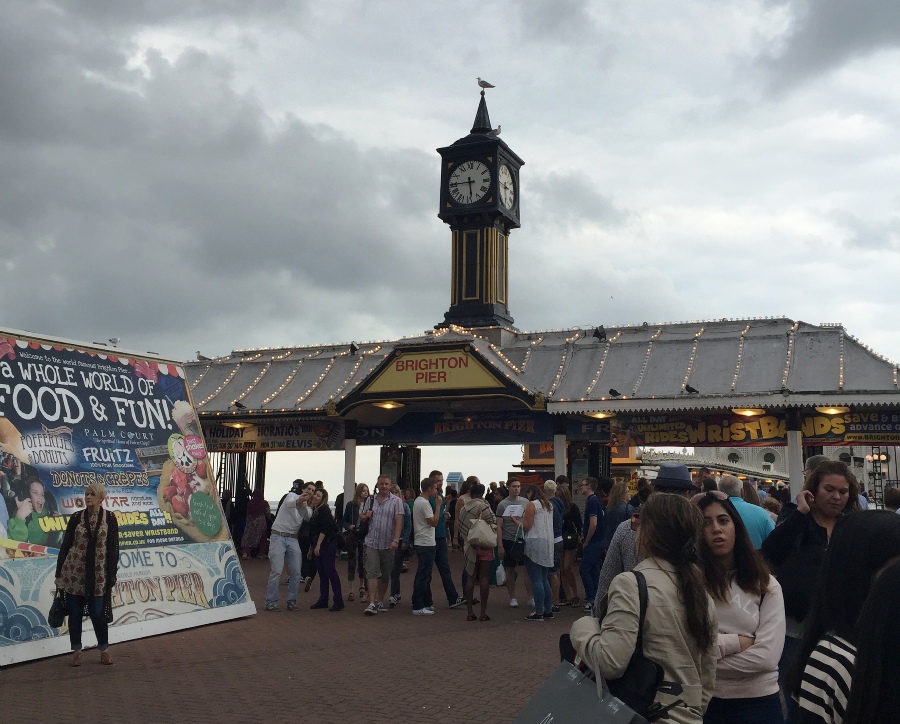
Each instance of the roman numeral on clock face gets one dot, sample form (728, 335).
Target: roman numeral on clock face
(469, 182)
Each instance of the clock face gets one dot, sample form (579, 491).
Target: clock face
(507, 187)
(469, 182)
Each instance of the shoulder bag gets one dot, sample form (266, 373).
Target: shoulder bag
(362, 530)
(482, 534)
(637, 687)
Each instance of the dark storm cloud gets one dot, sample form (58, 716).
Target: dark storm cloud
(824, 34)
(151, 12)
(555, 20)
(138, 203)
(570, 198)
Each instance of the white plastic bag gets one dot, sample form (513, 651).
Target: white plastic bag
(501, 576)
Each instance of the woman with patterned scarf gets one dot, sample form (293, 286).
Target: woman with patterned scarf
(86, 570)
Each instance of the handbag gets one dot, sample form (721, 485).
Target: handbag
(342, 540)
(571, 696)
(58, 609)
(482, 534)
(362, 529)
(638, 686)
(517, 549)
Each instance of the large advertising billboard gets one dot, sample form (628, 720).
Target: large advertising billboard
(871, 427)
(72, 414)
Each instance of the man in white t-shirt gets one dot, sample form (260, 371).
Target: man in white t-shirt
(283, 544)
(424, 522)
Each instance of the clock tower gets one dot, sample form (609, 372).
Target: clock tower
(479, 200)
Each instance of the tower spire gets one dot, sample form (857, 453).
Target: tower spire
(482, 122)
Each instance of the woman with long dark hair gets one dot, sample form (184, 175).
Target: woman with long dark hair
(323, 533)
(861, 544)
(680, 626)
(874, 695)
(750, 615)
(796, 548)
(355, 547)
(86, 570)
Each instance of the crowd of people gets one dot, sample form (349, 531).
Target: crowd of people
(752, 619)
(760, 608)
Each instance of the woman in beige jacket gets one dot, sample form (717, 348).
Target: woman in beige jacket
(680, 626)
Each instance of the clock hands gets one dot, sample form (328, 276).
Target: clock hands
(469, 181)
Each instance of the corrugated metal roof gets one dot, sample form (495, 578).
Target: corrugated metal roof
(770, 362)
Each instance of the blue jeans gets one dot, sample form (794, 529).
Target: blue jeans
(279, 549)
(421, 596)
(442, 561)
(591, 562)
(543, 596)
(95, 606)
(758, 710)
(465, 575)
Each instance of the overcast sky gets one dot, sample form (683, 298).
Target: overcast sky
(212, 175)
(217, 174)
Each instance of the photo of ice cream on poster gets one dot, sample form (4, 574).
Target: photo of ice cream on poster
(186, 490)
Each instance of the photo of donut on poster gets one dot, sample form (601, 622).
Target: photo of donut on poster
(73, 415)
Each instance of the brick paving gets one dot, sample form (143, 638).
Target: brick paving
(306, 666)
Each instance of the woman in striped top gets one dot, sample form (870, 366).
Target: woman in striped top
(862, 543)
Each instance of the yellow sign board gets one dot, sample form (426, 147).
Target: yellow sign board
(439, 370)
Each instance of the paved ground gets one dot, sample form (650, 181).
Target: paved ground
(305, 666)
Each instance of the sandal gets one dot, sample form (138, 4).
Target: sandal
(363, 595)
(484, 618)
(471, 617)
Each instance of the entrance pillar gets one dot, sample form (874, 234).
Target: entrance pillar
(559, 455)
(795, 451)
(349, 460)
(411, 469)
(559, 446)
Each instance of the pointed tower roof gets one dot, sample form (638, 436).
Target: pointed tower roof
(482, 119)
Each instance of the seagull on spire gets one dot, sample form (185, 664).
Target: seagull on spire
(483, 84)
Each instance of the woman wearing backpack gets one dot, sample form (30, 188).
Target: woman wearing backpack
(679, 631)
(571, 540)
